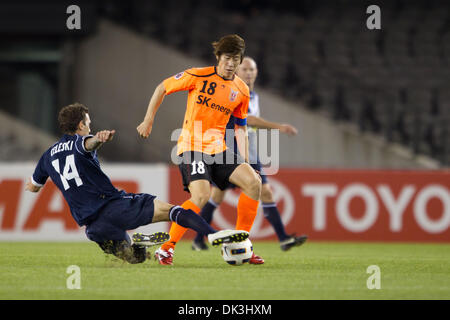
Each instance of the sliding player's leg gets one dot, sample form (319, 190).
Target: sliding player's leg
(135, 210)
(189, 219)
(125, 250)
(129, 212)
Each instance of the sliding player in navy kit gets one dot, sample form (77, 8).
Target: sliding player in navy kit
(106, 212)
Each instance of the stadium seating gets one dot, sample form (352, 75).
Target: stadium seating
(393, 82)
(19, 141)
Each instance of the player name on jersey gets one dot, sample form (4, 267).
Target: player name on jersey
(63, 146)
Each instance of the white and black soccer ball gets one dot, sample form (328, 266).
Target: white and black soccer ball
(237, 253)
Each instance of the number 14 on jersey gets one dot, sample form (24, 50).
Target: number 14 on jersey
(69, 172)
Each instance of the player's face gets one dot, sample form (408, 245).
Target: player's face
(248, 71)
(227, 65)
(85, 128)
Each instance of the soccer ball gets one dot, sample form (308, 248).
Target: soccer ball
(237, 253)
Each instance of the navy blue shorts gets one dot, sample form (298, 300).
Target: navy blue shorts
(119, 215)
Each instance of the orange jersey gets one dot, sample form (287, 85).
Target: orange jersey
(210, 103)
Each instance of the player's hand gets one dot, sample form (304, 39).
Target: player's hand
(144, 129)
(105, 135)
(31, 187)
(288, 129)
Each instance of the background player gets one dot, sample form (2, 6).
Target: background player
(214, 93)
(108, 213)
(248, 72)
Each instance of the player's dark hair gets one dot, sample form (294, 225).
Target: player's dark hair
(230, 44)
(70, 116)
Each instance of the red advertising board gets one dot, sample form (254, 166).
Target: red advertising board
(341, 205)
(348, 205)
(41, 211)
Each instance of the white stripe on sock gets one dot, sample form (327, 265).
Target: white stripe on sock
(171, 212)
(269, 205)
(211, 201)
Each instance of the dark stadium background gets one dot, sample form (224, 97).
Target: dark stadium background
(392, 82)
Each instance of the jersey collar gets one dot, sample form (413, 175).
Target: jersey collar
(215, 71)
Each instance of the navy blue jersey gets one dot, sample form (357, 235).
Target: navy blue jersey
(77, 173)
(230, 138)
(253, 110)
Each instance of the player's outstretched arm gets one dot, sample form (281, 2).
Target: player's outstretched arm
(145, 127)
(95, 142)
(261, 123)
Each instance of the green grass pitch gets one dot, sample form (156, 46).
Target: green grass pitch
(317, 270)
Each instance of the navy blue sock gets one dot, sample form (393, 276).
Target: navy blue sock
(207, 214)
(272, 215)
(189, 219)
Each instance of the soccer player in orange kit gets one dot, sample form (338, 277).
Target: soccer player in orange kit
(214, 94)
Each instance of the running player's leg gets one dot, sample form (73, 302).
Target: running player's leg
(230, 167)
(270, 209)
(186, 218)
(207, 214)
(271, 212)
(200, 192)
(196, 178)
(249, 181)
(245, 177)
(214, 201)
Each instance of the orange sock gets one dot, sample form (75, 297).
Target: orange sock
(246, 212)
(176, 231)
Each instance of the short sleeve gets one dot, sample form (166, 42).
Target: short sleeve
(40, 174)
(241, 112)
(79, 144)
(182, 81)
